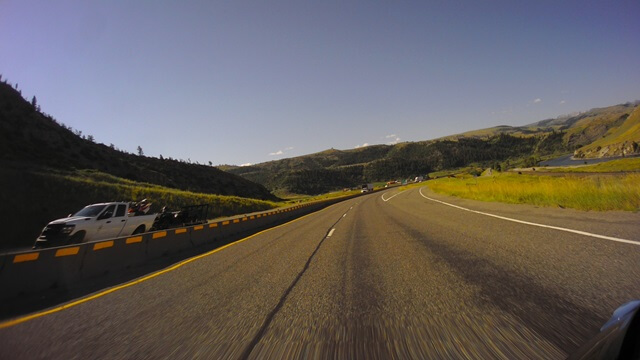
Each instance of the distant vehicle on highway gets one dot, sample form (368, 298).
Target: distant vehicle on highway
(366, 188)
(97, 222)
(418, 179)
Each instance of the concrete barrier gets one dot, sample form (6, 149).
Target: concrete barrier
(203, 234)
(39, 270)
(35, 271)
(168, 242)
(109, 256)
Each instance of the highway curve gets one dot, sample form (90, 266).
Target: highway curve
(387, 275)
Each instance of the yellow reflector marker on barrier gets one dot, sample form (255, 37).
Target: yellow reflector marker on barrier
(159, 234)
(259, 215)
(135, 239)
(180, 231)
(25, 257)
(199, 227)
(102, 245)
(244, 219)
(225, 223)
(213, 225)
(235, 221)
(252, 217)
(68, 251)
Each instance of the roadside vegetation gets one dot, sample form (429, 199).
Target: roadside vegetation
(33, 197)
(300, 198)
(112, 188)
(600, 193)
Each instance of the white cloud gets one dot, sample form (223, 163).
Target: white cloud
(397, 140)
(562, 102)
(391, 136)
(281, 152)
(246, 164)
(361, 146)
(536, 101)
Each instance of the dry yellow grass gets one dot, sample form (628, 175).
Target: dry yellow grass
(594, 192)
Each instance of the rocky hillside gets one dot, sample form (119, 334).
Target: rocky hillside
(30, 139)
(620, 138)
(580, 130)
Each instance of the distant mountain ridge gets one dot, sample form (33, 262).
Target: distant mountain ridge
(506, 145)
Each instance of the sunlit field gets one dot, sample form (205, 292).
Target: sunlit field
(600, 193)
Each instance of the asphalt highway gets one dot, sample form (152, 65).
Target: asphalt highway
(389, 275)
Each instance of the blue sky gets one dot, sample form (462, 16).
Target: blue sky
(236, 82)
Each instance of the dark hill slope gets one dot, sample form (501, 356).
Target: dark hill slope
(31, 139)
(335, 169)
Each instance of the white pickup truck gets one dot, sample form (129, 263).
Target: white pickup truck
(95, 222)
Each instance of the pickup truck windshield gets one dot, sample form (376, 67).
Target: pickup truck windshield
(90, 211)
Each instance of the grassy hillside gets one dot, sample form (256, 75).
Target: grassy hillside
(621, 138)
(335, 169)
(579, 129)
(29, 137)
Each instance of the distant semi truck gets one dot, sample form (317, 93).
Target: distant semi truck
(366, 188)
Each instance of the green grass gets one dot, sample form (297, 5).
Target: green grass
(619, 165)
(296, 198)
(456, 172)
(112, 188)
(600, 193)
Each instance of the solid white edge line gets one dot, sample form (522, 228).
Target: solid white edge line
(610, 238)
(331, 232)
(385, 200)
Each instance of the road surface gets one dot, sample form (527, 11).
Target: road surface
(388, 275)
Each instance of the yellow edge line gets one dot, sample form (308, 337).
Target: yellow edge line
(23, 319)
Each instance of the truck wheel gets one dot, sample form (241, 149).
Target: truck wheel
(138, 230)
(76, 238)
